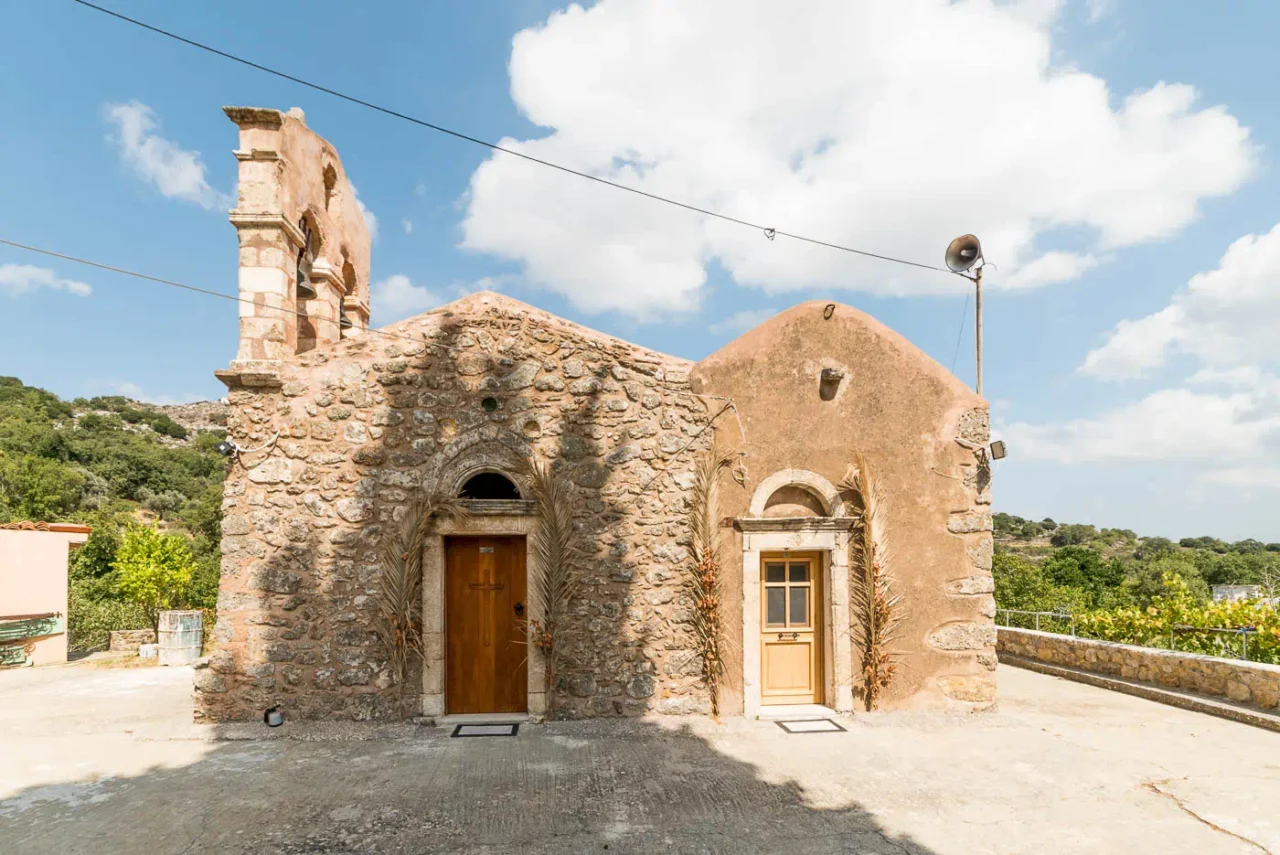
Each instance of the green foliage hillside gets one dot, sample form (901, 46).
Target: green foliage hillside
(1123, 587)
(108, 462)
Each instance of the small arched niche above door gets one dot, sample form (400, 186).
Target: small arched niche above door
(489, 486)
(491, 492)
(794, 501)
(796, 493)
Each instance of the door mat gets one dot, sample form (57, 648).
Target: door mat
(810, 725)
(486, 730)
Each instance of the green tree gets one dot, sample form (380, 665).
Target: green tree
(1072, 535)
(1022, 584)
(1147, 581)
(36, 488)
(1154, 547)
(153, 570)
(1084, 569)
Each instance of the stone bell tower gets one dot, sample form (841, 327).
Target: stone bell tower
(304, 244)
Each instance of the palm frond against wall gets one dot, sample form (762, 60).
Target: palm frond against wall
(398, 599)
(707, 581)
(557, 570)
(874, 605)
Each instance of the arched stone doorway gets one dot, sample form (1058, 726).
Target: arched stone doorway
(475, 601)
(795, 597)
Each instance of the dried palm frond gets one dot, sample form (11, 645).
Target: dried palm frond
(875, 607)
(397, 600)
(557, 572)
(707, 584)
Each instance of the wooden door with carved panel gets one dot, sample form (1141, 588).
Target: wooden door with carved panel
(485, 652)
(791, 629)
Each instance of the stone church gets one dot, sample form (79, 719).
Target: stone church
(339, 427)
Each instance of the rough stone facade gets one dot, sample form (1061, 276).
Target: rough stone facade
(1244, 682)
(341, 432)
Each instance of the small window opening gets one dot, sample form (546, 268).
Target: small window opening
(306, 255)
(330, 185)
(489, 405)
(348, 287)
(489, 485)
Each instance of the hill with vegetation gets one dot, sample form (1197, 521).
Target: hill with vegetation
(1119, 586)
(140, 476)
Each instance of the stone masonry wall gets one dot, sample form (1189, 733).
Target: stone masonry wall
(364, 424)
(1244, 682)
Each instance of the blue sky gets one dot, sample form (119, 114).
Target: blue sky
(887, 126)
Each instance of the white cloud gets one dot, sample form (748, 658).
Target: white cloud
(18, 279)
(844, 123)
(1099, 9)
(1224, 421)
(369, 219)
(1225, 317)
(407, 225)
(740, 322)
(175, 172)
(396, 298)
(1049, 269)
(1168, 425)
(134, 391)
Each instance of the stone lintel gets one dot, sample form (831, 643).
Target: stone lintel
(794, 523)
(245, 219)
(251, 373)
(355, 304)
(263, 116)
(322, 271)
(257, 154)
(505, 507)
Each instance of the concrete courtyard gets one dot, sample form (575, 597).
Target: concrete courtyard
(104, 761)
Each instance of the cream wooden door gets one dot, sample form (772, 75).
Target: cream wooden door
(791, 630)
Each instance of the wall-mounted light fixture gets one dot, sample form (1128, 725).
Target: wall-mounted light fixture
(998, 450)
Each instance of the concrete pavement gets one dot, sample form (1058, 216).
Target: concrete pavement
(105, 761)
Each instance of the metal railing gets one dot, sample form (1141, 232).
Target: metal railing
(1242, 631)
(1070, 618)
(1178, 629)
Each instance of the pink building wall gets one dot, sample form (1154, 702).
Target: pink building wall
(33, 578)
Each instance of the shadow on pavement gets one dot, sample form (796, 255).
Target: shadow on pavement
(568, 787)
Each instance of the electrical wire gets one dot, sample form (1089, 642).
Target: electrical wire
(964, 314)
(204, 291)
(769, 232)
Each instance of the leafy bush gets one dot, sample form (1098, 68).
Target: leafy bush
(1178, 606)
(152, 569)
(90, 619)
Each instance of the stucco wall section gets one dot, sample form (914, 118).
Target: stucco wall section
(363, 424)
(1245, 682)
(917, 425)
(33, 580)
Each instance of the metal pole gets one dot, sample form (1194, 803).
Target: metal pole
(977, 302)
(1037, 621)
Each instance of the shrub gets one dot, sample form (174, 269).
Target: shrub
(91, 620)
(153, 570)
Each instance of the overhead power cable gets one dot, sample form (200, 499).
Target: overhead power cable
(964, 314)
(193, 288)
(769, 231)
(367, 331)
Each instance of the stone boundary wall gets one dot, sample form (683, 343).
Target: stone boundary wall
(1244, 682)
(129, 640)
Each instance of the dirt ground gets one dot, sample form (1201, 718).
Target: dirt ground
(100, 761)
